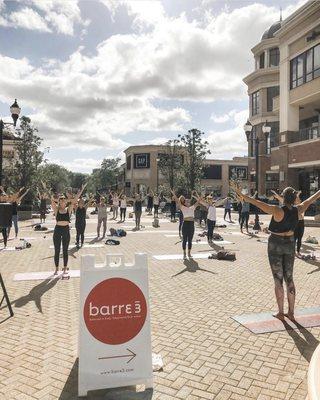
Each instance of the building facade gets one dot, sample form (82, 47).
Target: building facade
(284, 93)
(140, 172)
(9, 150)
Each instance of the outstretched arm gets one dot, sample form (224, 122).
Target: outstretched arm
(305, 204)
(267, 208)
(54, 204)
(22, 196)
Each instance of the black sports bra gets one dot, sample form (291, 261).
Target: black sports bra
(288, 223)
(63, 216)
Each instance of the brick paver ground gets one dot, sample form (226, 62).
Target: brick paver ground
(206, 354)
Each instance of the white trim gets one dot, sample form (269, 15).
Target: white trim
(303, 142)
(304, 164)
(272, 172)
(275, 167)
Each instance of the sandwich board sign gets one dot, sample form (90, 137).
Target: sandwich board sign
(114, 324)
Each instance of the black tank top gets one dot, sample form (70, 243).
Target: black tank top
(80, 215)
(63, 217)
(43, 204)
(288, 222)
(14, 208)
(138, 205)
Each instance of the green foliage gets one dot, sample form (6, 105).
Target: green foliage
(196, 150)
(171, 163)
(24, 170)
(55, 177)
(105, 177)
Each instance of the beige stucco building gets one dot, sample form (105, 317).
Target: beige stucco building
(140, 172)
(9, 149)
(284, 93)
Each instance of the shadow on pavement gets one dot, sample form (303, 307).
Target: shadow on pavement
(192, 266)
(36, 293)
(70, 390)
(306, 344)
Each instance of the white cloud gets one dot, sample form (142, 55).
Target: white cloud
(27, 18)
(144, 13)
(59, 16)
(94, 101)
(220, 119)
(83, 165)
(230, 142)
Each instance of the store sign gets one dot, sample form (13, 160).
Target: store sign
(142, 160)
(114, 337)
(237, 172)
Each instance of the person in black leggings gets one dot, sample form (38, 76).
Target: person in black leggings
(188, 222)
(81, 211)
(281, 247)
(62, 211)
(173, 210)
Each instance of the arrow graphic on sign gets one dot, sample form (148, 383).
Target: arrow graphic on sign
(132, 355)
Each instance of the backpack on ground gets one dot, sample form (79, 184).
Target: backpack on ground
(226, 255)
(121, 233)
(217, 237)
(113, 242)
(155, 223)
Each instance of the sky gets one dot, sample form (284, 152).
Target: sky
(96, 76)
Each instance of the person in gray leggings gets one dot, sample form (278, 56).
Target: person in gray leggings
(281, 246)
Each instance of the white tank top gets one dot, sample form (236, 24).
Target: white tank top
(123, 203)
(212, 213)
(188, 212)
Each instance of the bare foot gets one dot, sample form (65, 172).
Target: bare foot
(290, 315)
(55, 272)
(279, 316)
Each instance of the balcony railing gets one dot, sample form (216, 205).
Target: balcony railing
(305, 134)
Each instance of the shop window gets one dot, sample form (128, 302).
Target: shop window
(212, 172)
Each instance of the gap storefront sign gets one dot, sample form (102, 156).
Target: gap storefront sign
(142, 160)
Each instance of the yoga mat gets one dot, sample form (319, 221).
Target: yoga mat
(217, 242)
(42, 275)
(10, 249)
(164, 257)
(266, 323)
(87, 246)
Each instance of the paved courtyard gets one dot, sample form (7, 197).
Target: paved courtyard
(206, 354)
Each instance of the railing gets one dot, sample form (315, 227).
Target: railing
(305, 134)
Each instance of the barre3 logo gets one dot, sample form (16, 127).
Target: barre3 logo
(115, 311)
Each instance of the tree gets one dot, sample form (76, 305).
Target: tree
(24, 170)
(55, 177)
(171, 163)
(196, 150)
(77, 179)
(105, 177)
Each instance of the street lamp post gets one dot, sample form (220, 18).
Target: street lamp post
(254, 138)
(158, 160)
(15, 111)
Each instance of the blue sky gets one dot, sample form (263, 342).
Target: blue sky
(98, 76)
